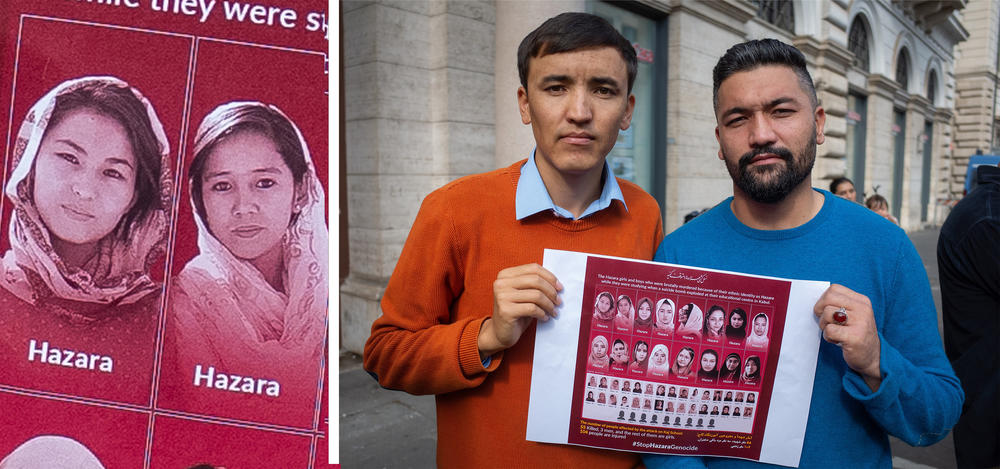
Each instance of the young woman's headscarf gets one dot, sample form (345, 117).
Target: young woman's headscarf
(653, 367)
(639, 322)
(51, 451)
(694, 321)
(32, 270)
(665, 323)
(726, 373)
(683, 370)
(754, 340)
(610, 313)
(227, 301)
(736, 333)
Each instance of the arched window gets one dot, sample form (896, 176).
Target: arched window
(932, 87)
(857, 43)
(776, 12)
(903, 69)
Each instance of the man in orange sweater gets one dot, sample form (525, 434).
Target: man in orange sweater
(458, 316)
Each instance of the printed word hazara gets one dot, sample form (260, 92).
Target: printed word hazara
(235, 383)
(68, 358)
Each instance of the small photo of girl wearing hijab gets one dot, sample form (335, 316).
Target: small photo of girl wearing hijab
(683, 366)
(663, 325)
(640, 358)
(708, 370)
(643, 317)
(730, 372)
(736, 327)
(758, 332)
(91, 190)
(253, 301)
(619, 354)
(689, 321)
(659, 362)
(598, 359)
(714, 328)
(623, 315)
(604, 311)
(751, 373)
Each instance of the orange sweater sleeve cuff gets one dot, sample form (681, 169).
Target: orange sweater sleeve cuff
(468, 351)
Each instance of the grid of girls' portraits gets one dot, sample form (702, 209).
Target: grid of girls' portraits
(163, 289)
(677, 346)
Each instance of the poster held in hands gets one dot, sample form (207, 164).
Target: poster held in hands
(662, 358)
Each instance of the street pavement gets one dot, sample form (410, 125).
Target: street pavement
(392, 429)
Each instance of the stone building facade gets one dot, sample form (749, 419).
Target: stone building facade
(429, 96)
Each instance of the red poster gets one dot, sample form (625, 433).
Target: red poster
(674, 382)
(674, 359)
(163, 256)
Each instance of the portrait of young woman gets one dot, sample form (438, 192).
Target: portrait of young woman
(715, 324)
(682, 366)
(643, 317)
(736, 327)
(604, 310)
(623, 316)
(90, 186)
(598, 358)
(253, 301)
(689, 321)
(664, 324)
(758, 335)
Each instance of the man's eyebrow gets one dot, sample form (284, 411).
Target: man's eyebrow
(555, 78)
(605, 81)
(742, 110)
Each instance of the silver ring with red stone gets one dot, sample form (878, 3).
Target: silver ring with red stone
(840, 316)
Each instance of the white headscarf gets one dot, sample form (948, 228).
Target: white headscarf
(694, 321)
(33, 271)
(661, 369)
(51, 452)
(230, 303)
(662, 323)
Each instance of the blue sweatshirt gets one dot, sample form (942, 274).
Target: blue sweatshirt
(919, 398)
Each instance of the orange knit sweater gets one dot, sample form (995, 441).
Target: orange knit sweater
(425, 342)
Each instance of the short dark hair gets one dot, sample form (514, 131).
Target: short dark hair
(119, 102)
(568, 32)
(757, 53)
(234, 118)
(838, 181)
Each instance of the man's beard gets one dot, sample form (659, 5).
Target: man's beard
(771, 183)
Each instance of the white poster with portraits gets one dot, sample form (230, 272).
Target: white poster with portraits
(661, 358)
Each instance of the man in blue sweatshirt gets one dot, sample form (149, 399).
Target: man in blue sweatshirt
(881, 369)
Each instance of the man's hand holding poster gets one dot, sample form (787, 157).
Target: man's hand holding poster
(661, 358)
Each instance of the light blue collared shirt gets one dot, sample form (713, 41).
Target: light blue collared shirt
(532, 196)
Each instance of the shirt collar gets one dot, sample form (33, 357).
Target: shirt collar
(532, 196)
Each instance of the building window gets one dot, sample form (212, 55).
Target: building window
(932, 87)
(903, 69)
(776, 12)
(857, 43)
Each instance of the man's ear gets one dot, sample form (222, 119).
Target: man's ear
(627, 118)
(717, 139)
(820, 116)
(522, 105)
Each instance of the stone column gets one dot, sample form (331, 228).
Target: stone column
(918, 111)
(696, 179)
(879, 144)
(829, 59)
(975, 86)
(418, 80)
